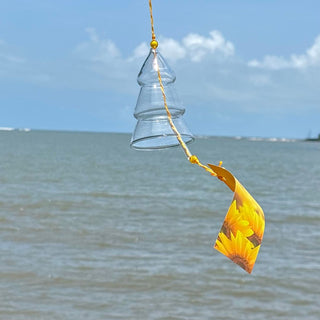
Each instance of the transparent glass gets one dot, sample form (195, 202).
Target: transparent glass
(153, 130)
(156, 133)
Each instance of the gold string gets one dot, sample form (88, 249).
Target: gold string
(173, 127)
(192, 158)
(151, 17)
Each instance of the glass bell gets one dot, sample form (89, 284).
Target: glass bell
(153, 130)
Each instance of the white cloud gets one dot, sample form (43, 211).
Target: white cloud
(7, 58)
(208, 72)
(100, 64)
(310, 58)
(192, 47)
(173, 50)
(97, 49)
(198, 46)
(140, 51)
(101, 56)
(11, 65)
(14, 66)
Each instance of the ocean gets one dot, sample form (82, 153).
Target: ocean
(90, 229)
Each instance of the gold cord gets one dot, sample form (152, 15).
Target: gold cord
(192, 158)
(151, 17)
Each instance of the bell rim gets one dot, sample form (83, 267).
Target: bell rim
(187, 138)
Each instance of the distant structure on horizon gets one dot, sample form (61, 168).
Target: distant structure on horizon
(314, 139)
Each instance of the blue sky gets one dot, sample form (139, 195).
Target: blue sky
(244, 68)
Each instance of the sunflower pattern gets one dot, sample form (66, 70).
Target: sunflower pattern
(238, 249)
(242, 231)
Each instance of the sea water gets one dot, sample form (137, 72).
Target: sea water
(90, 229)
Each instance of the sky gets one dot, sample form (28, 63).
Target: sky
(243, 68)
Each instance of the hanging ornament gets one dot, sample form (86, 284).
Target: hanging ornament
(153, 130)
(160, 125)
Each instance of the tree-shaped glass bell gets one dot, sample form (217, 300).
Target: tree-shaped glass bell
(153, 130)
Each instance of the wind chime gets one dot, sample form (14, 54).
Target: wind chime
(160, 125)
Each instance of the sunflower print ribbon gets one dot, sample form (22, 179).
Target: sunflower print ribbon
(242, 231)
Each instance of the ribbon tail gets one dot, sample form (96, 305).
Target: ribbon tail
(242, 231)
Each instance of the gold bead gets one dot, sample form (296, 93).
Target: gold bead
(154, 44)
(193, 159)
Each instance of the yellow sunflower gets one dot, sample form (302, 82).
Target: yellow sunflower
(234, 222)
(243, 196)
(256, 223)
(239, 249)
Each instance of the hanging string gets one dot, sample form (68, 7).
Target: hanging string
(151, 17)
(192, 158)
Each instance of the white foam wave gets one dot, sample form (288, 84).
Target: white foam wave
(271, 139)
(14, 129)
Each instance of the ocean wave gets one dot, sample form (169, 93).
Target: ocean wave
(14, 129)
(272, 139)
(6, 129)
